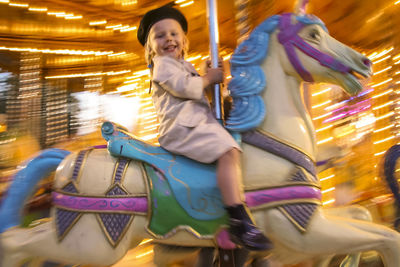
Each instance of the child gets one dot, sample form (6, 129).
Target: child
(187, 125)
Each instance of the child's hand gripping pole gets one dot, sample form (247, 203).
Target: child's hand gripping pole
(214, 41)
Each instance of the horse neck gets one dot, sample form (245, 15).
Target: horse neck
(286, 115)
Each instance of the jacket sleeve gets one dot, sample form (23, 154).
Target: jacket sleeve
(172, 76)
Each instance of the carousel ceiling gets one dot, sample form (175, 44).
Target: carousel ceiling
(81, 35)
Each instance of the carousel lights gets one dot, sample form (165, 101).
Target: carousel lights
(148, 115)
(327, 178)
(330, 201)
(380, 60)
(376, 55)
(150, 127)
(127, 88)
(383, 93)
(149, 137)
(227, 57)
(148, 130)
(322, 116)
(117, 54)
(342, 134)
(148, 108)
(384, 140)
(324, 128)
(190, 59)
(57, 51)
(382, 83)
(129, 2)
(144, 254)
(99, 22)
(328, 190)
(381, 71)
(379, 153)
(322, 91)
(334, 118)
(18, 4)
(321, 104)
(326, 140)
(347, 100)
(128, 29)
(38, 9)
(383, 105)
(73, 17)
(4, 1)
(396, 57)
(385, 116)
(186, 4)
(109, 73)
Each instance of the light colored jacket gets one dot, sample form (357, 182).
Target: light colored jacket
(187, 124)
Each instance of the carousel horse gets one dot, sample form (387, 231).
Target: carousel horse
(107, 200)
(389, 169)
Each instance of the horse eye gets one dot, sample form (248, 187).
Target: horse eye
(314, 34)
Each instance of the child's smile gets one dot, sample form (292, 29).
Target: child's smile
(167, 38)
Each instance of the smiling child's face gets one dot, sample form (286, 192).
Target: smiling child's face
(167, 38)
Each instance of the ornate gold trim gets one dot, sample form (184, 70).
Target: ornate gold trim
(61, 237)
(97, 196)
(115, 172)
(286, 143)
(108, 237)
(287, 184)
(147, 153)
(286, 202)
(175, 230)
(78, 178)
(292, 220)
(149, 187)
(101, 211)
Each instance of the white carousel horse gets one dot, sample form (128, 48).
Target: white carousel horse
(103, 205)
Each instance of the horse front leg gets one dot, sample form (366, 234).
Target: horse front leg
(329, 235)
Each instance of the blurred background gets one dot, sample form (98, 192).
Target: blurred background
(68, 65)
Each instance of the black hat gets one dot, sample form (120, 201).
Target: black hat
(154, 16)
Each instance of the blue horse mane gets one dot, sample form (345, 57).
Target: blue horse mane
(248, 79)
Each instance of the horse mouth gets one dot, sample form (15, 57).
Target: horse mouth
(358, 75)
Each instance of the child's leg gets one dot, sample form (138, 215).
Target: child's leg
(241, 226)
(229, 175)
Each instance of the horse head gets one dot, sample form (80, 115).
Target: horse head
(308, 46)
(269, 66)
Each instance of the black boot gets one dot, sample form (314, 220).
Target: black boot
(243, 231)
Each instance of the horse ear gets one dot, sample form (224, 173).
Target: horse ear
(300, 7)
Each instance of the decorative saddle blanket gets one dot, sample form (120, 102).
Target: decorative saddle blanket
(196, 191)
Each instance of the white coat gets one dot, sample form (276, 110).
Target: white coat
(187, 124)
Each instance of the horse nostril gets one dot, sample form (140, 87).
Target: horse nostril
(367, 62)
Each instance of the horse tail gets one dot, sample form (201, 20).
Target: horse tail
(24, 183)
(389, 169)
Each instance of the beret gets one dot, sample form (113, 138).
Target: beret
(154, 16)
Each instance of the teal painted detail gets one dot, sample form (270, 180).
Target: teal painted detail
(248, 79)
(167, 214)
(24, 184)
(193, 184)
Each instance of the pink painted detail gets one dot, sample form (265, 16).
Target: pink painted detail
(101, 204)
(224, 241)
(139, 204)
(257, 198)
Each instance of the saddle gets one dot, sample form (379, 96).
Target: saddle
(193, 184)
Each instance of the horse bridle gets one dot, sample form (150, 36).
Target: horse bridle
(288, 37)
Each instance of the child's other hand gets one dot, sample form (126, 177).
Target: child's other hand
(206, 65)
(214, 76)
